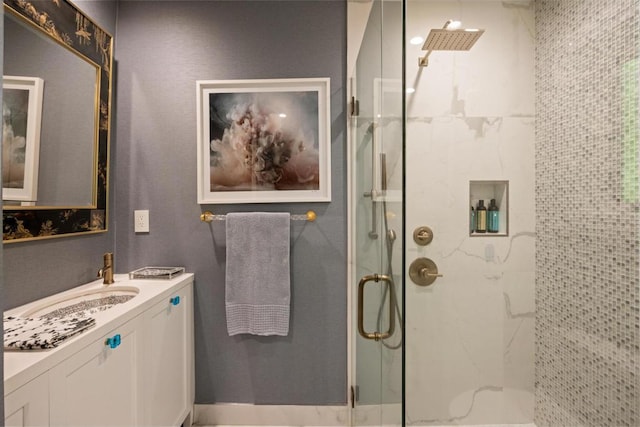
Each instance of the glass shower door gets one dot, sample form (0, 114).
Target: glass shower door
(377, 220)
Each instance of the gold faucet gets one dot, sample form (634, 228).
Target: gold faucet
(106, 272)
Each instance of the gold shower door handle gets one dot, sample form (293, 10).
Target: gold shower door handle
(392, 314)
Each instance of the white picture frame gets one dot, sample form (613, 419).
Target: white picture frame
(263, 141)
(22, 117)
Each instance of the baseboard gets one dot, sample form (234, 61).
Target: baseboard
(233, 414)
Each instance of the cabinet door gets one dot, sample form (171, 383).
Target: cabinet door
(100, 385)
(28, 405)
(169, 371)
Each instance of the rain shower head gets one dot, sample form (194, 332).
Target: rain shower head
(449, 39)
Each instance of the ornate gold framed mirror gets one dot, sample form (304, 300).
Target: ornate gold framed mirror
(80, 114)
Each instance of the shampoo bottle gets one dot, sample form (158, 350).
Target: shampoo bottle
(481, 217)
(493, 218)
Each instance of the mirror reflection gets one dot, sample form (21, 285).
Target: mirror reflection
(68, 126)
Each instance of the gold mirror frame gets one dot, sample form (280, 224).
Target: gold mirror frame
(69, 26)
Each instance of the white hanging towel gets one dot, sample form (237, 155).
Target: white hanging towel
(257, 293)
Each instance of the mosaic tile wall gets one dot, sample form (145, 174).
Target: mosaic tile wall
(587, 212)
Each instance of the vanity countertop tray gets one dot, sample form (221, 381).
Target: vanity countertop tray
(156, 273)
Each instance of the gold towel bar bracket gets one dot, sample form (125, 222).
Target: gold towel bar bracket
(208, 216)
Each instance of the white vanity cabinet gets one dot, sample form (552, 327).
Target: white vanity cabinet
(134, 368)
(28, 405)
(100, 385)
(168, 390)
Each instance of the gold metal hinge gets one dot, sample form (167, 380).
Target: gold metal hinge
(354, 107)
(354, 391)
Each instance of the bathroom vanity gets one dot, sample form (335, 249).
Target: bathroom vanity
(134, 367)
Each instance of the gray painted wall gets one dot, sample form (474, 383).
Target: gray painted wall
(163, 48)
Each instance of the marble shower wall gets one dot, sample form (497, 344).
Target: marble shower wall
(470, 335)
(587, 275)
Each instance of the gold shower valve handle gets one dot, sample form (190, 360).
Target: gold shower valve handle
(423, 271)
(426, 273)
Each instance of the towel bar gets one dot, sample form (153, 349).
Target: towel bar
(208, 216)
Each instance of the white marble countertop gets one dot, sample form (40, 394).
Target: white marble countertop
(20, 367)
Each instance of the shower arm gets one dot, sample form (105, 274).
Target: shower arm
(424, 60)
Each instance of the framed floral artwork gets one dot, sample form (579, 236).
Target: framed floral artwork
(263, 141)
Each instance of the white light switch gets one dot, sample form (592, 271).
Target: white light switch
(141, 221)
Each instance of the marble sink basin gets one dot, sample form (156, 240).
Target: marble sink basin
(84, 303)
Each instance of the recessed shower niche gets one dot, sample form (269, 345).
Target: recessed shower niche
(489, 208)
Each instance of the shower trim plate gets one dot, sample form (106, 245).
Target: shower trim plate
(423, 271)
